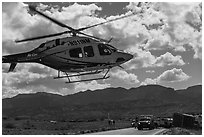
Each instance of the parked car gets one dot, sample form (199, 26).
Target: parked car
(157, 122)
(134, 123)
(168, 122)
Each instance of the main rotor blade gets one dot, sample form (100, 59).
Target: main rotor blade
(81, 29)
(100, 39)
(32, 8)
(42, 37)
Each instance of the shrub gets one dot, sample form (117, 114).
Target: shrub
(10, 125)
(5, 118)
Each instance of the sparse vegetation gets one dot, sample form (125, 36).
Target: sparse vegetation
(183, 131)
(10, 126)
(5, 118)
(33, 127)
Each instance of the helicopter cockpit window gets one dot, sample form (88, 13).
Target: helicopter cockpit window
(76, 53)
(57, 42)
(88, 51)
(112, 48)
(104, 50)
(42, 45)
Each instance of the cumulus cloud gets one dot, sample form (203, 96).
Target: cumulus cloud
(144, 59)
(129, 78)
(171, 25)
(150, 71)
(169, 59)
(141, 59)
(19, 77)
(173, 75)
(180, 16)
(149, 81)
(93, 85)
(169, 76)
(17, 23)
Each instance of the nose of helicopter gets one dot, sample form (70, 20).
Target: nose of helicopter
(128, 56)
(124, 57)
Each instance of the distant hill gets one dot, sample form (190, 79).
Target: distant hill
(194, 92)
(118, 102)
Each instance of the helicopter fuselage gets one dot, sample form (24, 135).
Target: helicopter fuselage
(72, 54)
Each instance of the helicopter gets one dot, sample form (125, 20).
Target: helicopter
(74, 55)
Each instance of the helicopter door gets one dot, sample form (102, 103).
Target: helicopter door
(88, 51)
(76, 53)
(57, 42)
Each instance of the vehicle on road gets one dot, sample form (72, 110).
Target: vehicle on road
(146, 122)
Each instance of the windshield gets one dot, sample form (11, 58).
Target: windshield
(40, 48)
(145, 119)
(112, 48)
(104, 50)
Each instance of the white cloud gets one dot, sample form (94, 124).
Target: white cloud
(8, 91)
(149, 81)
(170, 25)
(173, 75)
(26, 73)
(129, 78)
(150, 71)
(23, 79)
(20, 77)
(66, 91)
(75, 15)
(168, 59)
(11, 91)
(144, 59)
(141, 59)
(180, 16)
(17, 23)
(93, 85)
(169, 76)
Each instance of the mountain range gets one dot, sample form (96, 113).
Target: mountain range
(118, 103)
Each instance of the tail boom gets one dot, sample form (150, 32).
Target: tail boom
(16, 58)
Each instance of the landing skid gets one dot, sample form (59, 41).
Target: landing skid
(82, 74)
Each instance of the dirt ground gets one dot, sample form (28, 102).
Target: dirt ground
(31, 127)
(183, 131)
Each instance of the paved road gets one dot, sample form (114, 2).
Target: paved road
(129, 131)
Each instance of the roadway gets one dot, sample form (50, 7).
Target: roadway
(130, 131)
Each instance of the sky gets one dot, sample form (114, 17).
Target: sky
(165, 39)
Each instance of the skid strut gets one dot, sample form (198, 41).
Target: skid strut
(82, 74)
